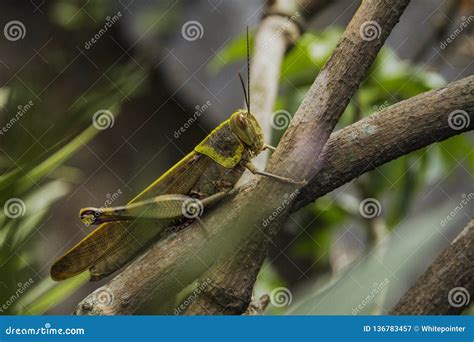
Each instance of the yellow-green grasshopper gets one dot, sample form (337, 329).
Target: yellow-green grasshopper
(200, 179)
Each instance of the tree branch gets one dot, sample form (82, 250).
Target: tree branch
(447, 286)
(391, 133)
(299, 153)
(274, 36)
(422, 120)
(398, 130)
(173, 263)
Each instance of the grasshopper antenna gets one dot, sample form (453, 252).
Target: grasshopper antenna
(248, 71)
(246, 90)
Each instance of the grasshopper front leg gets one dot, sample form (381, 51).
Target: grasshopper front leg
(164, 207)
(252, 168)
(269, 147)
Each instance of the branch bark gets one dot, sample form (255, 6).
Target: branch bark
(447, 286)
(422, 120)
(395, 131)
(398, 130)
(173, 263)
(299, 152)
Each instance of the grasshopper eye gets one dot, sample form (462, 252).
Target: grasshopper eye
(241, 121)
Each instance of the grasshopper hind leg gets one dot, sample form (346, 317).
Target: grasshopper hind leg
(164, 207)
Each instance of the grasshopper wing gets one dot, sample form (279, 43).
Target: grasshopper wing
(130, 242)
(113, 244)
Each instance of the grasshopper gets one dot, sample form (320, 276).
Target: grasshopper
(200, 179)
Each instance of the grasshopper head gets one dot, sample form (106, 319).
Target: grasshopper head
(246, 128)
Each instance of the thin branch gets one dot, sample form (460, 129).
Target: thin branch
(447, 286)
(397, 130)
(173, 263)
(274, 36)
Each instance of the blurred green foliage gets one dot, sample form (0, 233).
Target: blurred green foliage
(34, 152)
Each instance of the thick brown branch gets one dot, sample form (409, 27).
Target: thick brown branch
(447, 286)
(177, 261)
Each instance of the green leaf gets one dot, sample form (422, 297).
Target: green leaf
(48, 294)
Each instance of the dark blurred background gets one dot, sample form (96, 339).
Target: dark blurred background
(69, 62)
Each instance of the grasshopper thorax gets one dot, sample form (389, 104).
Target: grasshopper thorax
(246, 127)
